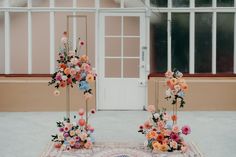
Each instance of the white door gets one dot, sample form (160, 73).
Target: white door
(122, 78)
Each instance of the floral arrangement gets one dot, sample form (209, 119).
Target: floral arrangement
(72, 68)
(161, 134)
(74, 135)
(176, 87)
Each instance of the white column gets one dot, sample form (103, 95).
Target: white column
(235, 39)
(214, 22)
(52, 38)
(169, 41)
(192, 39)
(97, 48)
(74, 25)
(7, 43)
(29, 38)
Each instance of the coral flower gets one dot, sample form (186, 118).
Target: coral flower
(81, 122)
(184, 86)
(161, 125)
(83, 58)
(72, 142)
(151, 108)
(69, 81)
(77, 76)
(186, 130)
(63, 66)
(67, 71)
(160, 137)
(151, 135)
(147, 125)
(57, 145)
(173, 81)
(174, 117)
(170, 84)
(90, 78)
(63, 83)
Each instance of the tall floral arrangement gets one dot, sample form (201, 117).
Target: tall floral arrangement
(72, 69)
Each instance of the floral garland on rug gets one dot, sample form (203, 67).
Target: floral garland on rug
(74, 135)
(73, 69)
(161, 130)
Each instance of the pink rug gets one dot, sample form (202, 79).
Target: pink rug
(119, 150)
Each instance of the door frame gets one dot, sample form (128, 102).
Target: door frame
(144, 20)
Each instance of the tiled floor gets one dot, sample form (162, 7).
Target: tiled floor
(27, 134)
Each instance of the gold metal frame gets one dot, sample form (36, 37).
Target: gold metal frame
(86, 52)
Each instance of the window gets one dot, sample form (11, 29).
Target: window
(180, 3)
(225, 42)
(203, 42)
(225, 3)
(180, 41)
(158, 3)
(203, 3)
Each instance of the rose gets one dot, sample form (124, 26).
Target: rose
(173, 144)
(174, 137)
(186, 130)
(175, 129)
(169, 74)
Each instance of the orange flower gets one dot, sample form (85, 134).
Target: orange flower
(173, 81)
(83, 58)
(151, 135)
(67, 71)
(63, 83)
(63, 66)
(184, 86)
(160, 137)
(170, 84)
(90, 78)
(174, 117)
(155, 145)
(163, 147)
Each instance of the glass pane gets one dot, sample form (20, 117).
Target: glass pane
(180, 3)
(131, 47)
(2, 44)
(131, 25)
(86, 3)
(64, 3)
(112, 67)
(17, 3)
(109, 4)
(40, 43)
(41, 3)
(225, 42)
(19, 43)
(113, 25)
(225, 3)
(203, 3)
(113, 47)
(158, 48)
(203, 42)
(180, 41)
(131, 68)
(133, 4)
(158, 3)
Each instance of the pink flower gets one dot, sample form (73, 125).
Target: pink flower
(147, 125)
(169, 74)
(186, 130)
(81, 112)
(81, 43)
(174, 137)
(73, 71)
(151, 108)
(58, 76)
(175, 129)
(160, 125)
(88, 145)
(81, 122)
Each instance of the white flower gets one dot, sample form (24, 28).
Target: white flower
(156, 115)
(64, 77)
(77, 68)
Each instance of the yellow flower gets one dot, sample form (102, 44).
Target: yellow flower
(72, 133)
(155, 145)
(90, 78)
(151, 135)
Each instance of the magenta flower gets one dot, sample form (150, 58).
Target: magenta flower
(186, 130)
(58, 77)
(174, 137)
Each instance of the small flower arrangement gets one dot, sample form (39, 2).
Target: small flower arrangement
(162, 135)
(76, 135)
(72, 69)
(176, 87)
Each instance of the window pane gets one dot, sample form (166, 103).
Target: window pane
(41, 3)
(203, 3)
(2, 44)
(180, 41)
(131, 26)
(85, 3)
(113, 25)
(225, 42)
(131, 47)
(180, 3)
(203, 42)
(63, 3)
(112, 47)
(40, 43)
(158, 58)
(131, 68)
(158, 3)
(109, 4)
(19, 43)
(225, 3)
(112, 67)
(133, 4)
